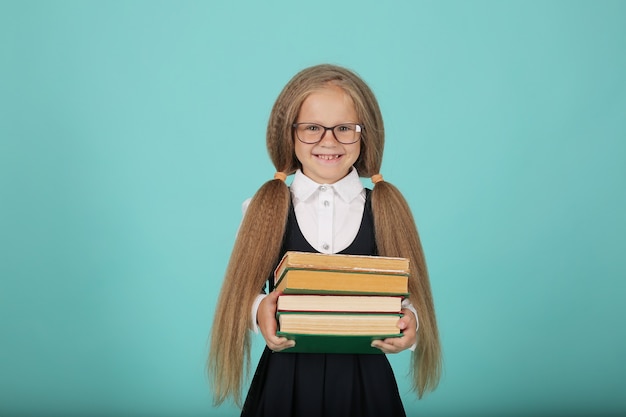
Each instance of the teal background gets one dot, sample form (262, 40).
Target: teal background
(132, 131)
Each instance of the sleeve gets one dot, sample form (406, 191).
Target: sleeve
(406, 303)
(255, 307)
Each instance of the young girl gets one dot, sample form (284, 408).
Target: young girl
(327, 128)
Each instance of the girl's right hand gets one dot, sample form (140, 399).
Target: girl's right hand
(266, 319)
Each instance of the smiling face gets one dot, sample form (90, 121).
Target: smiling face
(327, 161)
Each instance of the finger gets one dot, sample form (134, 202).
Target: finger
(275, 293)
(273, 296)
(281, 343)
(385, 347)
(278, 340)
(390, 345)
(407, 320)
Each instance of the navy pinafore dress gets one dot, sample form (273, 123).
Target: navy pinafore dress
(324, 385)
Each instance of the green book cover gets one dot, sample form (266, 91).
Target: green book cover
(321, 343)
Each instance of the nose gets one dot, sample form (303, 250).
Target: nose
(328, 137)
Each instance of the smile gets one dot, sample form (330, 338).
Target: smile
(328, 157)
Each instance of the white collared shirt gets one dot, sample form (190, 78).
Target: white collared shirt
(329, 216)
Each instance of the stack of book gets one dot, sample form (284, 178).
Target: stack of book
(339, 303)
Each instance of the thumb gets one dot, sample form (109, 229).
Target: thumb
(402, 324)
(273, 296)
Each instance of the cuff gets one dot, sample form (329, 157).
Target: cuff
(406, 303)
(255, 307)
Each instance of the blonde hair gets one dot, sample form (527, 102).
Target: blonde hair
(258, 244)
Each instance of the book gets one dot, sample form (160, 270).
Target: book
(313, 343)
(317, 273)
(296, 281)
(340, 303)
(361, 324)
(355, 263)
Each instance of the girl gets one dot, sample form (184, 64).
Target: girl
(327, 128)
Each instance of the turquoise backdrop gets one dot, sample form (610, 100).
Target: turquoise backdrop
(132, 131)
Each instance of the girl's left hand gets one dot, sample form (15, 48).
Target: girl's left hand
(407, 325)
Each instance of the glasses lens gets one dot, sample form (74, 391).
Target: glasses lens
(347, 132)
(309, 132)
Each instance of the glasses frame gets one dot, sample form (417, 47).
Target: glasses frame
(358, 129)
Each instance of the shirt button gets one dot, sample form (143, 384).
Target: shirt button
(325, 246)
(326, 203)
(322, 188)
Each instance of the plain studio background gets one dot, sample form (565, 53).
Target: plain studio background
(132, 131)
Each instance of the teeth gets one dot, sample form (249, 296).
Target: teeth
(328, 157)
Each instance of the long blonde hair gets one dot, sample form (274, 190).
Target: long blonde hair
(260, 236)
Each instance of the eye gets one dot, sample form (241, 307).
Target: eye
(311, 128)
(345, 128)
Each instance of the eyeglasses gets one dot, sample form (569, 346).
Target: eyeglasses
(311, 133)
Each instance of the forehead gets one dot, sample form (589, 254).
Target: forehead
(329, 102)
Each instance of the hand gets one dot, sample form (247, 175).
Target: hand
(266, 318)
(407, 325)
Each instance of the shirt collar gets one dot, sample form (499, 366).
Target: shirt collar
(347, 188)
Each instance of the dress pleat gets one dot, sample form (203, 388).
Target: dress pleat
(323, 385)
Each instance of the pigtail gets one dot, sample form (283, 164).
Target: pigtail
(254, 256)
(396, 235)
